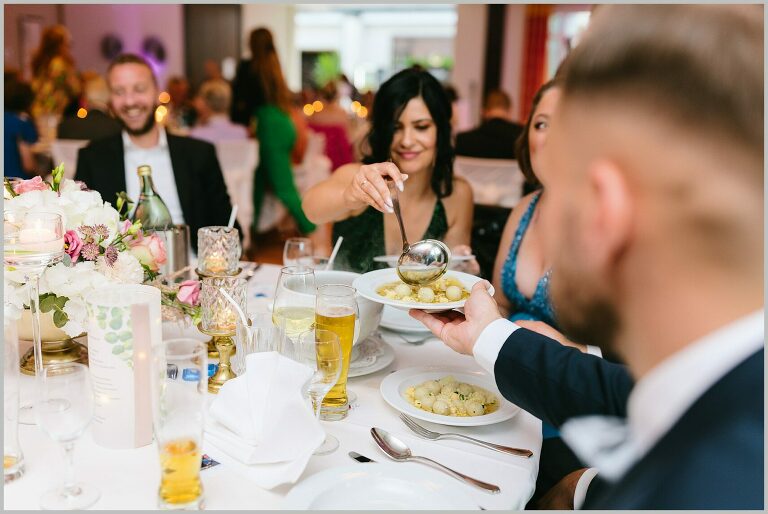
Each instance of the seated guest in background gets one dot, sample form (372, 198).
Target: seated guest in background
(19, 130)
(212, 105)
(96, 122)
(495, 137)
(185, 171)
(658, 252)
(181, 113)
(333, 122)
(410, 139)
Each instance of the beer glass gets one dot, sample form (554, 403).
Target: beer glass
(336, 310)
(179, 388)
(13, 458)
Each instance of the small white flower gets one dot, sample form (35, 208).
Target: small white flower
(126, 270)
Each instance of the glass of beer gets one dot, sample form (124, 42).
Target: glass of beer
(180, 385)
(295, 300)
(336, 310)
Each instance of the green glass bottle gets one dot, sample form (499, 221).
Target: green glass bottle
(151, 209)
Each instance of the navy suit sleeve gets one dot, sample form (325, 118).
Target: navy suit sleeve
(555, 382)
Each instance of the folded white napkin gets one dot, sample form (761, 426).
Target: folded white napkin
(262, 422)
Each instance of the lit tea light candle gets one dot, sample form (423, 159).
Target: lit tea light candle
(41, 240)
(215, 263)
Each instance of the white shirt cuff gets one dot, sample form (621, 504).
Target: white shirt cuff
(489, 344)
(594, 350)
(580, 494)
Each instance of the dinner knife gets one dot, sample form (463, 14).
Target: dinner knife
(360, 458)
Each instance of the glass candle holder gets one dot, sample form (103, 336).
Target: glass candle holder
(218, 250)
(219, 316)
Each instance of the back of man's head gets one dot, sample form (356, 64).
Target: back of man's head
(497, 100)
(217, 95)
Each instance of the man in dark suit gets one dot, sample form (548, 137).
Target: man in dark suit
(495, 137)
(654, 171)
(185, 171)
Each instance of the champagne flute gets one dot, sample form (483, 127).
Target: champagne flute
(337, 311)
(321, 351)
(64, 412)
(298, 252)
(31, 242)
(295, 300)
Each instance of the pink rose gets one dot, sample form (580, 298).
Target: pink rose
(33, 184)
(189, 292)
(123, 226)
(72, 244)
(150, 250)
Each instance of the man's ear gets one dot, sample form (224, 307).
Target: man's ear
(610, 221)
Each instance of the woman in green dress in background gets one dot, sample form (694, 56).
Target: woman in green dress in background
(410, 143)
(275, 131)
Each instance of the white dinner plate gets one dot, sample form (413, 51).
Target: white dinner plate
(379, 486)
(394, 385)
(400, 321)
(392, 259)
(367, 284)
(370, 356)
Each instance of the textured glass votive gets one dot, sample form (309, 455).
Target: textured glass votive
(219, 316)
(218, 250)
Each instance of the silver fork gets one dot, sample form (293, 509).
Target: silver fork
(434, 436)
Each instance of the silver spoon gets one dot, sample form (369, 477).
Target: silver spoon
(422, 262)
(398, 450)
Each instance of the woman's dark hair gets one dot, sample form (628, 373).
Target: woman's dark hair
(52, 44)
(18, 96)
(522, 146)
(388, 105)
(265, 64)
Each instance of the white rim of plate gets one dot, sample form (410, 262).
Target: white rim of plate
(392, 384)
(367, 283)
(414, 328)
(303, 494)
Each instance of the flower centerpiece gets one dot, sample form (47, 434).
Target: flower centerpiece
(102, 247)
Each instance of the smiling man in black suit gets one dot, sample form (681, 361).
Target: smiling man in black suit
(185, 171)
(655, 223)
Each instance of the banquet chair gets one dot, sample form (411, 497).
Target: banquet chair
(238, 160)
(495, 182)
(65, 151)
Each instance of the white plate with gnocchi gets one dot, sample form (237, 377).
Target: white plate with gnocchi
(447, 396)
(448, 292)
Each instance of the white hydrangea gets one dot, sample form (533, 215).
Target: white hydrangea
(126, 270)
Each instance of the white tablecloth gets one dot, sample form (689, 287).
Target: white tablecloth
(128, 479)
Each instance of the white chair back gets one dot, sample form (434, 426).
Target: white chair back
(494, 181)
(238, 160)
(65, 151)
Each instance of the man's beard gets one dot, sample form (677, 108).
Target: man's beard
(144, 129)
(584, 313)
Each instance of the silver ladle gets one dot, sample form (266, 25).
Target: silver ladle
(398, 450)
(423, 262)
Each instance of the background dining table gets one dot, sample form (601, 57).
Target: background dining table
(129, 479)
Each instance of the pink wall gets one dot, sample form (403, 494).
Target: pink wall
(131, 23)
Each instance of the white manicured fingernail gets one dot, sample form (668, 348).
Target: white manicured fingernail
(390, 209)
(400, 185)
(389, 203)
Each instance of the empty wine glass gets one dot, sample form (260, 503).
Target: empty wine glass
(320, 350)
(64, 411)
(298, 252)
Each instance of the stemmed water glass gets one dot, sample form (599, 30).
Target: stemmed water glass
(319, 350)
(31, 242)
(64, 411)
(294, 302)
(298, 252)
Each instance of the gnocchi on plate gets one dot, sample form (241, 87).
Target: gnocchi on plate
(449, 397)
(443, 290)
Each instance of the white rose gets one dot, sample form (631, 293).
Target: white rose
(126, 270)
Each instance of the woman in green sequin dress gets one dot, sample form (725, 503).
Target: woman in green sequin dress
(410, 143)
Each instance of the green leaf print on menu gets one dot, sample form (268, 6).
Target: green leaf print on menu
(119, 333)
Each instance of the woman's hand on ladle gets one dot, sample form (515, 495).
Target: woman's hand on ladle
(369, 186)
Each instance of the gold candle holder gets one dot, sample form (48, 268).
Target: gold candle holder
(213, 353)
(219, 320)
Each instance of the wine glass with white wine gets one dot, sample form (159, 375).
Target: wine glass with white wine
(294, 303)
(32, 241)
